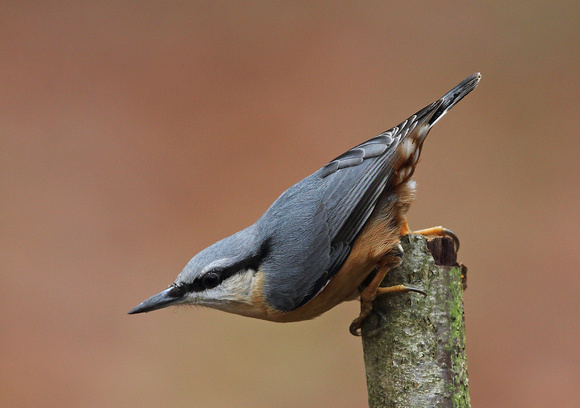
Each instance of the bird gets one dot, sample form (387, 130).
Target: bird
(330, 238)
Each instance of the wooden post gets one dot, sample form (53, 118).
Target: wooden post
(414, 345)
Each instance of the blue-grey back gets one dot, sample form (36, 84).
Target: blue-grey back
(314, 223)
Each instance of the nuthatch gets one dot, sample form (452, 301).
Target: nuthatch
(329, 238)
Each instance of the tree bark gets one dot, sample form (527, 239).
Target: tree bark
(414, 345)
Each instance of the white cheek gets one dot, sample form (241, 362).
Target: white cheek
(235, 289)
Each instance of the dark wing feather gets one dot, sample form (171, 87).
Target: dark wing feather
(355, 191)
(318, 219)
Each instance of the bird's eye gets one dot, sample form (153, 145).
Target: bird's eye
(211, 280)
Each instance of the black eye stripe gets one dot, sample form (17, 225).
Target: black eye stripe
(178, 291)
(254, 262)
(208, 280)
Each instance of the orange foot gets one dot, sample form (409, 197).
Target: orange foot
(438, 231)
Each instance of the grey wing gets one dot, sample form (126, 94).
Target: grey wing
(318, 219)
(355, 180)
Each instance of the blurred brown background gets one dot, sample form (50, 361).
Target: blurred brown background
(134, 134)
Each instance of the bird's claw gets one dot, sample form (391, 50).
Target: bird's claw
(440, 232)
(355, 326)
(366, 307)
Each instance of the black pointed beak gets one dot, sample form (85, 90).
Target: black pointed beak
(159, 301)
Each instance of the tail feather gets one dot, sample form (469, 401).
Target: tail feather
(409, 148)
(431, 114)
(455, 95)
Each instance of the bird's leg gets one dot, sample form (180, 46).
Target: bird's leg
(389, 261)
(390, 289)
(405, 227)
(366, 298)
(438, 231)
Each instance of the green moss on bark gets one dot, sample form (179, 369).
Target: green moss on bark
(456, 345)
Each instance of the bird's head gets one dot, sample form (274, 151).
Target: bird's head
(224, 276)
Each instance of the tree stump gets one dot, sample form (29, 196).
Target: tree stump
(414, 345)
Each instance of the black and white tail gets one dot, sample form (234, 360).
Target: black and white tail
(413, 131)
